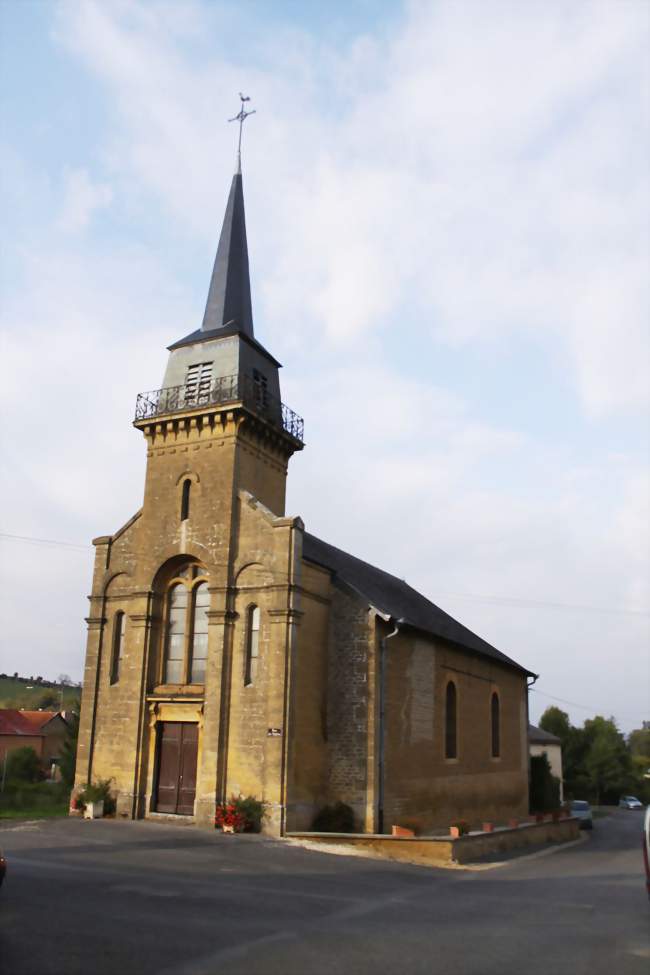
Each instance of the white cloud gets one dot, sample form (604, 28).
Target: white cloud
(475, 175)
(81, 198)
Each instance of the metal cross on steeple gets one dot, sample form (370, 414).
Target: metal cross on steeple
(241, 117)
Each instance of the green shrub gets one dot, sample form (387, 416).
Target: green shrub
(338, 818)
(23, 765)
(253, 812)
(544, 787)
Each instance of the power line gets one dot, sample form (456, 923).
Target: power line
(583, 707)
(44, 541)
(544, 604)
(494, 600)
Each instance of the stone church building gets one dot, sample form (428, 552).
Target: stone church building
(232, 652)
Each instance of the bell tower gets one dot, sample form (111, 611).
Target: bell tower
(208, 556)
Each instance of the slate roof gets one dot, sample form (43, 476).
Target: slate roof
(15, 722)
(395, 598)
(203, 335)
(537, 736)
(229, 296)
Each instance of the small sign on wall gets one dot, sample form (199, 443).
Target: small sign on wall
(274, 733)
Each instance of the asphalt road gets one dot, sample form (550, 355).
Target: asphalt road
(123, 898)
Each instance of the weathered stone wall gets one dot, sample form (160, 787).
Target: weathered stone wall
(426, 790)
(222, 452)
(308, 770)
(350, 641)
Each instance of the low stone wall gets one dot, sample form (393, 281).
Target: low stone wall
(445, 850)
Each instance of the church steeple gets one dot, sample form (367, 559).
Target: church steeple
(229, 296)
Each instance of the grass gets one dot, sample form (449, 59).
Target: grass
(38, 812)
(18, 694)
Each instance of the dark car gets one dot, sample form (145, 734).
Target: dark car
(582, 811)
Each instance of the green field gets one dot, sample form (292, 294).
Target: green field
(16, 694)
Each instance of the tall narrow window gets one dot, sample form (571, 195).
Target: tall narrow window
(451, 744)
(496, 729)
(185, 500)
(200, 633)
(252, 642)
(175, 648)
(119, 623)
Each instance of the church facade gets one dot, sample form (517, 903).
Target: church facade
(232, 652)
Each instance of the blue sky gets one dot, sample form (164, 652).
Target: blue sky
(447, 214)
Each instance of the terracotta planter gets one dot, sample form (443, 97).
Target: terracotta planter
(402, 831)
(488, 827)
(513, 823)
(454, 832)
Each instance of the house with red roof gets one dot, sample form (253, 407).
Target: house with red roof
(44, 731)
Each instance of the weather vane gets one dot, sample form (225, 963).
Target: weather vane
(241, 117)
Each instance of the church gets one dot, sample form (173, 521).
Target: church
(232, 652)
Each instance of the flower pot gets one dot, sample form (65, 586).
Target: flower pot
(488, 827)
(402, 831)
(454, 832)
(94, 810)
(513, 823)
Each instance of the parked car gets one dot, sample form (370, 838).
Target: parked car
(629, 802)
(582, 811)
(646, 849)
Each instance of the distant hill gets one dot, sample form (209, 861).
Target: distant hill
(33, 693)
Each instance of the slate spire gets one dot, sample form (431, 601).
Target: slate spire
(229, 297)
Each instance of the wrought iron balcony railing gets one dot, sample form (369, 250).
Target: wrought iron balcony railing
(227, 389)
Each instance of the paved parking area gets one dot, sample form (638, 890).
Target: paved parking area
(121, 897)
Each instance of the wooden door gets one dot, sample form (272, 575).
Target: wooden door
(187, 778)
(177, 750)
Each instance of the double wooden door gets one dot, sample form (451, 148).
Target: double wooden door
(176, 778)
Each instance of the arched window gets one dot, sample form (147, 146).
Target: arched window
(252, 643)
(185, 500)
(117, 649)
(451, 744)
(185, 640)
(200, 633)
(495, 723)
(176, 621)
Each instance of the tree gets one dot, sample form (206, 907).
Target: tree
(48, 700)
(607, 761)
(639, 742)
(556, 722)
(68, 757)
(544, 786)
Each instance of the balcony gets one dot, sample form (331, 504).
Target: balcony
(227, 389)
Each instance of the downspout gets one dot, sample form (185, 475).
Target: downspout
(381, 765)
(526, 741)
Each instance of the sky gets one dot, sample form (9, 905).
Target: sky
(447, 212)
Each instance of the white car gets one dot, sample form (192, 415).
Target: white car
(629, 802)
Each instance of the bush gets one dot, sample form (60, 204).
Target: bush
(34, 798)
(338, 818)
(23, 765)
(243, 813)
(544, 787)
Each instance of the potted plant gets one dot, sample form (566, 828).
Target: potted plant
(458, 828)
